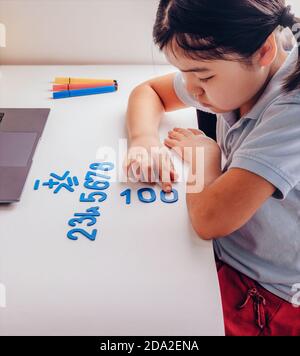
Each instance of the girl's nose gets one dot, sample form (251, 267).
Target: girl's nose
(193, 88)
(197, 95)
(196, 92)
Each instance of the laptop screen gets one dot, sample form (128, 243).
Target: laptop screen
(16, 148)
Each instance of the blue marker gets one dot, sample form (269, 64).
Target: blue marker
(82, 92)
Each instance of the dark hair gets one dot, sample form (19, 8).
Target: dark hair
(220, 29)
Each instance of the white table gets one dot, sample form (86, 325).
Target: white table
(147, 273)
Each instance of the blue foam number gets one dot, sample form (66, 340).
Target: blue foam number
(163, 197)
(90, 174)
(81, 219)
(36, 184)
(91, 199)
(102, 166)
(145, 200)
(91, 236)
(55, 176)
(127, 194)
(98, 185)
(90, 212)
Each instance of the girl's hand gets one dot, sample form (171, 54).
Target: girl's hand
(186, 141)
(149, 161)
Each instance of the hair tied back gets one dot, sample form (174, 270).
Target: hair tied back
(287, 18)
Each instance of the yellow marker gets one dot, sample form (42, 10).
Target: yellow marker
(67, 80)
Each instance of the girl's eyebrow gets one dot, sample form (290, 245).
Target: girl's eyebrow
(198, 70)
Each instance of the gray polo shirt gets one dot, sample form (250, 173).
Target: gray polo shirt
(266, 141)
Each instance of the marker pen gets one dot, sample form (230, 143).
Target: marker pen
(83, 92)
(69, 80)
(62, 87)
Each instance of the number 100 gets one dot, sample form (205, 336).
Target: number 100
(152, 198)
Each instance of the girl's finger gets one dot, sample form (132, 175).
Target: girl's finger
(197, 132)
(164, 167)
(177, 149)
(173, 173)
(165, 179)
(148, 174)
(127, 166)
(176, 135)
(135, 172)
(184, 132)
(170, 142)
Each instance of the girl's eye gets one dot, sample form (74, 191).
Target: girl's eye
(205, 80)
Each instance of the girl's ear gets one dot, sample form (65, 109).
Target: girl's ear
(268, 52)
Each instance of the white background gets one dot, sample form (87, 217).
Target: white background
(81, 31)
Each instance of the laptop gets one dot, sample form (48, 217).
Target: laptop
(20, 131)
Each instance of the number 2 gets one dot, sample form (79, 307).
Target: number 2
(91, 236)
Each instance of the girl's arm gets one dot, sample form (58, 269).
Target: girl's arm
(228, 203)
(147, 104)
(218, 203)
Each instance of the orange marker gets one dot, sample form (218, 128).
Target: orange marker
(68, 80)
(62, 87)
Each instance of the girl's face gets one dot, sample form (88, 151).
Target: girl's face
(220, 85)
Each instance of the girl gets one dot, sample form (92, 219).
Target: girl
(232, 62)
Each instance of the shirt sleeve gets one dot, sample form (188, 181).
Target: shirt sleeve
(272, 149)
(184, 96)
